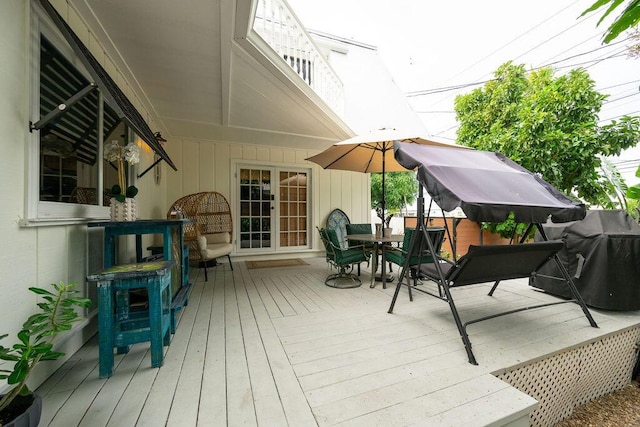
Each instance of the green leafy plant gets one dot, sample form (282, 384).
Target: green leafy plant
(506, 228)
(629, 17)
(35, 339)
(633, 193)
(119, 154)
(116, 192)
(401, 189)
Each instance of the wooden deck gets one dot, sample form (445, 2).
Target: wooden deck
(276, 347)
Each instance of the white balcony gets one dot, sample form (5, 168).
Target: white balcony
(276, 23)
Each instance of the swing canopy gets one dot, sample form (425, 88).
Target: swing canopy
(487, 186)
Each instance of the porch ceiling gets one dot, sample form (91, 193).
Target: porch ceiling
(201, 76)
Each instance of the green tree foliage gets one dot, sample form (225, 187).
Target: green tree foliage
(401, 189)
(547, 124)
(629, 17)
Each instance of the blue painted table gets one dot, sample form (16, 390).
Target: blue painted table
(118, 326)
(172, 231)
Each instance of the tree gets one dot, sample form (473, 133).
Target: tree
(630, 16)
(401, 189)
(547, 124)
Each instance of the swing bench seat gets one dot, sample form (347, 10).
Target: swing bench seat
(483, 264)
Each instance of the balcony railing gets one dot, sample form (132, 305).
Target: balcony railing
(286, 35)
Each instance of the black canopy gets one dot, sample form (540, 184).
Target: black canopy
(487, 186)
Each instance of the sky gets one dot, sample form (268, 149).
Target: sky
(430, 46)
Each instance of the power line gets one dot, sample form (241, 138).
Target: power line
(618, 116)
(559, 54)
(512, 41)
(608, 101)
(583, 53)
(608, 52)
(466, 85)
(530, 50)
(554, 36)
(618, 85)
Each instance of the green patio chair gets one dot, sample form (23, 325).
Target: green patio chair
(399, 255)
(360, 229)
(343, 259)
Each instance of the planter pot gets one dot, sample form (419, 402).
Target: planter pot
(124, 211)
(386, 232)
(29, 409)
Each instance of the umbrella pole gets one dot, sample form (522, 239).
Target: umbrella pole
(382, 202)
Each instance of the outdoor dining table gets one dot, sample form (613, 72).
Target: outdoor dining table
(379, 247)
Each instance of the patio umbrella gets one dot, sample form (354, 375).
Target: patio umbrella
(371, 152)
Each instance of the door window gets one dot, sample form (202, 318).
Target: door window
(273, 208)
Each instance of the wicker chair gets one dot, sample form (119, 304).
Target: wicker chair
(89, 196)
(211, 236)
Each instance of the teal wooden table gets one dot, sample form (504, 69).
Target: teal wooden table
(172, 231)
(118, 325)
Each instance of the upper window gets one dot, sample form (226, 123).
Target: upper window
(68, 178)
(76, 108)
(69, 144)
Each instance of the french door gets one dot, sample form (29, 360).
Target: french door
(273, 208)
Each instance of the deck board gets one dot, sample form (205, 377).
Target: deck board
(278, 347)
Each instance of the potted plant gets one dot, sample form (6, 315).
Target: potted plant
(35, 344)
(123, 204)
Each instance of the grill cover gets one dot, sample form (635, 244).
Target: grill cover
(602, 255)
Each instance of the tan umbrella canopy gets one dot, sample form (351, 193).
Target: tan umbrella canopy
(371, 152)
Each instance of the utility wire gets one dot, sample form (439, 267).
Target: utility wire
(618, 116)
(535, 47)
(465, 85)
(608, 101)
(618, 85)
(512, 41)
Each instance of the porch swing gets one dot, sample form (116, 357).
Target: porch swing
(488, 187)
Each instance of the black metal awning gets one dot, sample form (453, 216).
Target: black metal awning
(117, 100)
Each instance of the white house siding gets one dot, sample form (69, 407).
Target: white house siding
(210, 166)
(40, 255)
(17, 251)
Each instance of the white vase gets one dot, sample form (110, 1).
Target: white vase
(124, 211)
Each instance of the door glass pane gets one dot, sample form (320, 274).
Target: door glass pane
(293, 208)
(255, 208)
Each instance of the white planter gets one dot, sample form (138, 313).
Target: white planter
(124, 211)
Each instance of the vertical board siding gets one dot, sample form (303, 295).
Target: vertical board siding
(190, 174)
(174, 178)
(223, 174)
(249, 152)
(206, 168)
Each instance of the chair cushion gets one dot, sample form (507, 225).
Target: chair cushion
(219, 238)
(351, 256)
(398, 256)
(341, 256)
(215, 245)
(333, 237)
(359, 229)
